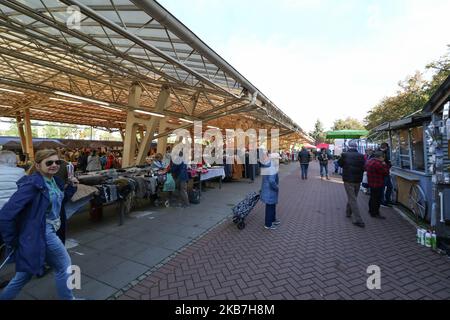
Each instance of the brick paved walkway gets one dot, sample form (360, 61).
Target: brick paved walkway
(316, 253)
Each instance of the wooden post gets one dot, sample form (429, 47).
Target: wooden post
(22, 134)
(29, 135)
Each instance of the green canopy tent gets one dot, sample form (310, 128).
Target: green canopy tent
(347, 134)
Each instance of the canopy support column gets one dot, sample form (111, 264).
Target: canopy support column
(129, 144)
(162, 103)
(162, 142)
(28, 135)
(22, 134)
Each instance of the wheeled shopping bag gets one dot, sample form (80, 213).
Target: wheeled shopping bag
(243, 208)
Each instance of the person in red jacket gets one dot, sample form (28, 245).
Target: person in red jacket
(110, 161)
(377, 170)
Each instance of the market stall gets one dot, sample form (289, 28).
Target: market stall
(411, 177)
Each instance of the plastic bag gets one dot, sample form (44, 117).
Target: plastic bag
(169, 185)
(365, 181)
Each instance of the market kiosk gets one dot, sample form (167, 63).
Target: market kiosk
(439, 164)
(411, 177)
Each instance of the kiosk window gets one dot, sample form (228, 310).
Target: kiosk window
(404, 149)
(417, 147)
(395, 152)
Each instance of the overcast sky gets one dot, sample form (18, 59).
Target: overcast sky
(324, 59)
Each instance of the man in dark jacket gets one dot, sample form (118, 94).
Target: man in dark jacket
(352, 163)
(304, 157)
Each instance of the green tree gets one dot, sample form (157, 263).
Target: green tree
(318, 133)
(348, 124)
(412, 95)
(50, 131)
(13, 131)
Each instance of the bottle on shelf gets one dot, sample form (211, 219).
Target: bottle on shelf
(433, 241)
(428, 239)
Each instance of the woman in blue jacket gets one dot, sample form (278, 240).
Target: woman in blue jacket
(269, 190)
(29, 222)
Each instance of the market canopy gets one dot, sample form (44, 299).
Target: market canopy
(48, 61)
(308, 146)
(347, 134)
(38, 143)
(126, 65)
(323, 146)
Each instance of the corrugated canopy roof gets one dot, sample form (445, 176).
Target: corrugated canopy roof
(119, 43)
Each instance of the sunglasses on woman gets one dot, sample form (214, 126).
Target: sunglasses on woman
(50, 162)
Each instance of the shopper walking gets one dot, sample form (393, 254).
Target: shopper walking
(181, 176)
(29, 222)
(323, 162)
(304, 157)
(377, 171)
(269, 190)
(352, 163)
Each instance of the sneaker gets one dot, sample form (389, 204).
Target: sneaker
(386, 205)
(276, 223)
(272, 227)
(379, 216)
(359, 224)
(3, 284)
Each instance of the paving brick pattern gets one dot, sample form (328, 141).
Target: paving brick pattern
(316, 253)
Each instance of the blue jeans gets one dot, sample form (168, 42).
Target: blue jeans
(57, 258)
(336, 167)
(323, 170)
(271, 214)
(304, 168)
(388, 193)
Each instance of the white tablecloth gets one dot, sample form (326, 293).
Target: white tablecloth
(212, 173)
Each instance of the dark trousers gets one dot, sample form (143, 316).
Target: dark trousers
(376, 195)
(252, 171)
(304, 168)
(270, 214)
(352, 190)
(388, 193)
